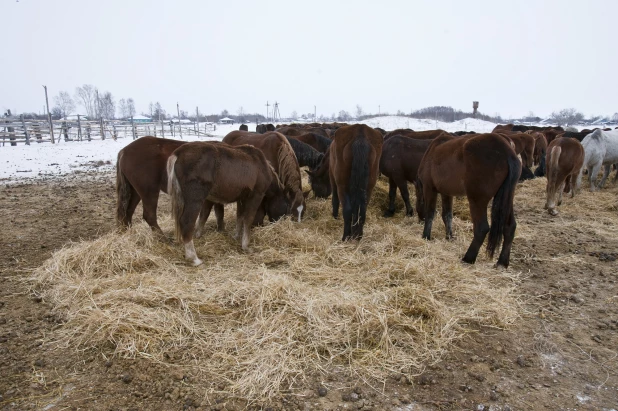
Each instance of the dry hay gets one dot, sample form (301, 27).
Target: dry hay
(301, 304)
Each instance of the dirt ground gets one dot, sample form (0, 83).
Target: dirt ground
(560, 355)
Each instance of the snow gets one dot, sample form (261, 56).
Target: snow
(46, 160)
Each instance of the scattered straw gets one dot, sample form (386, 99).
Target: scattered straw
(301, 303)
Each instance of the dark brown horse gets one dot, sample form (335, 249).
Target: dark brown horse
(540, 152)
(319, 177)
(217, 173)
(316, 141)
(244, 127)
(353, 171)
(419, 135)
(140, 176)
(565, 158)
(524, 146)
(480, 167)
(401, 157)
(278, 151)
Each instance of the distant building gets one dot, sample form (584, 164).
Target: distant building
(226, 120)
(141, 119)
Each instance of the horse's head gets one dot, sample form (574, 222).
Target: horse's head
(319, 179)
(420, 200)
(297, 206)
(275, 201)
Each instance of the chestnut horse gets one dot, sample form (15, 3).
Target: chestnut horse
(140, 176)
(353, 170)
(205, 172)
(565, 158)
(401, 157)
(480, 167)
(278, 151)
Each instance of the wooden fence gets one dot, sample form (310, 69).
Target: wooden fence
(14, 131)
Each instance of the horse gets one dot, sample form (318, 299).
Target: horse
(319, 178)
(305, 154)
(551, 134)
(279, 152)
(504, 127)
(419, 135)
(140, 176)
(463, 133)
(243, 127)
(203, 172)
(315, 140)
(260, 128)
(601, 148)
(353, 171)
(401, 157)
(524, 146)
(480, 167)
(565, 157)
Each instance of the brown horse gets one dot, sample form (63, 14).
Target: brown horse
(278, 151)
(524, 146)
(401, 157)
(353, 170)
(419, 135)
(140, 176)
(316, 141)
(244, 127)
(480, 167)
(565, 158)
(205, 172)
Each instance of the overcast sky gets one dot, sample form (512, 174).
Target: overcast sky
(512, 56)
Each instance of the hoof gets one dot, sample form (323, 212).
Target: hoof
(500, 266)
(196, 262)
(247, 250)
(545, 207)
(198, 234)
(552, 212)
(389, 213)
(467, 260)
(410, 213)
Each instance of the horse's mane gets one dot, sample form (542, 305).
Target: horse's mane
(272, 169)
(289, 171)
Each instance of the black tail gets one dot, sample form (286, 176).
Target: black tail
(502, 206)
(123, 197)
(359, 179)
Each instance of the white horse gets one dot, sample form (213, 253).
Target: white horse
(600, 148)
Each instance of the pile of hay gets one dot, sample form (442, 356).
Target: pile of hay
(302, 303)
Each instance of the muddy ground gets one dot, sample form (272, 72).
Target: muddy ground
(560, 355)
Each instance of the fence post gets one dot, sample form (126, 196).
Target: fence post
(133, 128)
(115, 133)
(37, 132)
(102, 129)
(79, 128)
(162, 130)
(172, 127)
(23, 123)
(88, 131)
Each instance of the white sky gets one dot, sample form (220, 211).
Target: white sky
(512, 56)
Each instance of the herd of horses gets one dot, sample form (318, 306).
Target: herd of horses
(261, 173)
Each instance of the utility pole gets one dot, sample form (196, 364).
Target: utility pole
(197, 118)
(51, 125)
(179, 126)
(267, 105)
(378, 109)
(314, 114)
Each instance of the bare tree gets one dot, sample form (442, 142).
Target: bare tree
(130, 107)
(107, 105)
(343, 116)
(225, 113)
(359, 111)
(151, 109)
(294, 115)
(615, 118)
(158, 111)
(86, 95)
(64, 103)
(122, 108)
(567, 116)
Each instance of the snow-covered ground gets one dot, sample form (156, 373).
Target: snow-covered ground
(46, 160)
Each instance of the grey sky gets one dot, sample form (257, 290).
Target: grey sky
(512, 56)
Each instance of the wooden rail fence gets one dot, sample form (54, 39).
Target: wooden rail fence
(15, 131)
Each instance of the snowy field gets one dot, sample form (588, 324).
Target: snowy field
(45, 160)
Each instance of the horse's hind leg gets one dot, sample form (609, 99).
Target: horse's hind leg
(250, 208)
(204, 214)
(335, 198)
(187, 226)
(430, 210)
(149, 203)
(405, 194)
(478, 213)
(134, 200)
(392, 193)
(509, 234)
(347, 217)
(608, 169)
(447, 215)
(592, 175)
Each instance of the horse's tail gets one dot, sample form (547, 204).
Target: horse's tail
(123, 194)
(359, 179)
(552, 174)
(541, 170)
(175, 192)
(502, 205)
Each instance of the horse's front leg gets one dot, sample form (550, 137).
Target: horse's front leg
(608, 169)
(392, 193)
(250, 208)
(204, 213)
